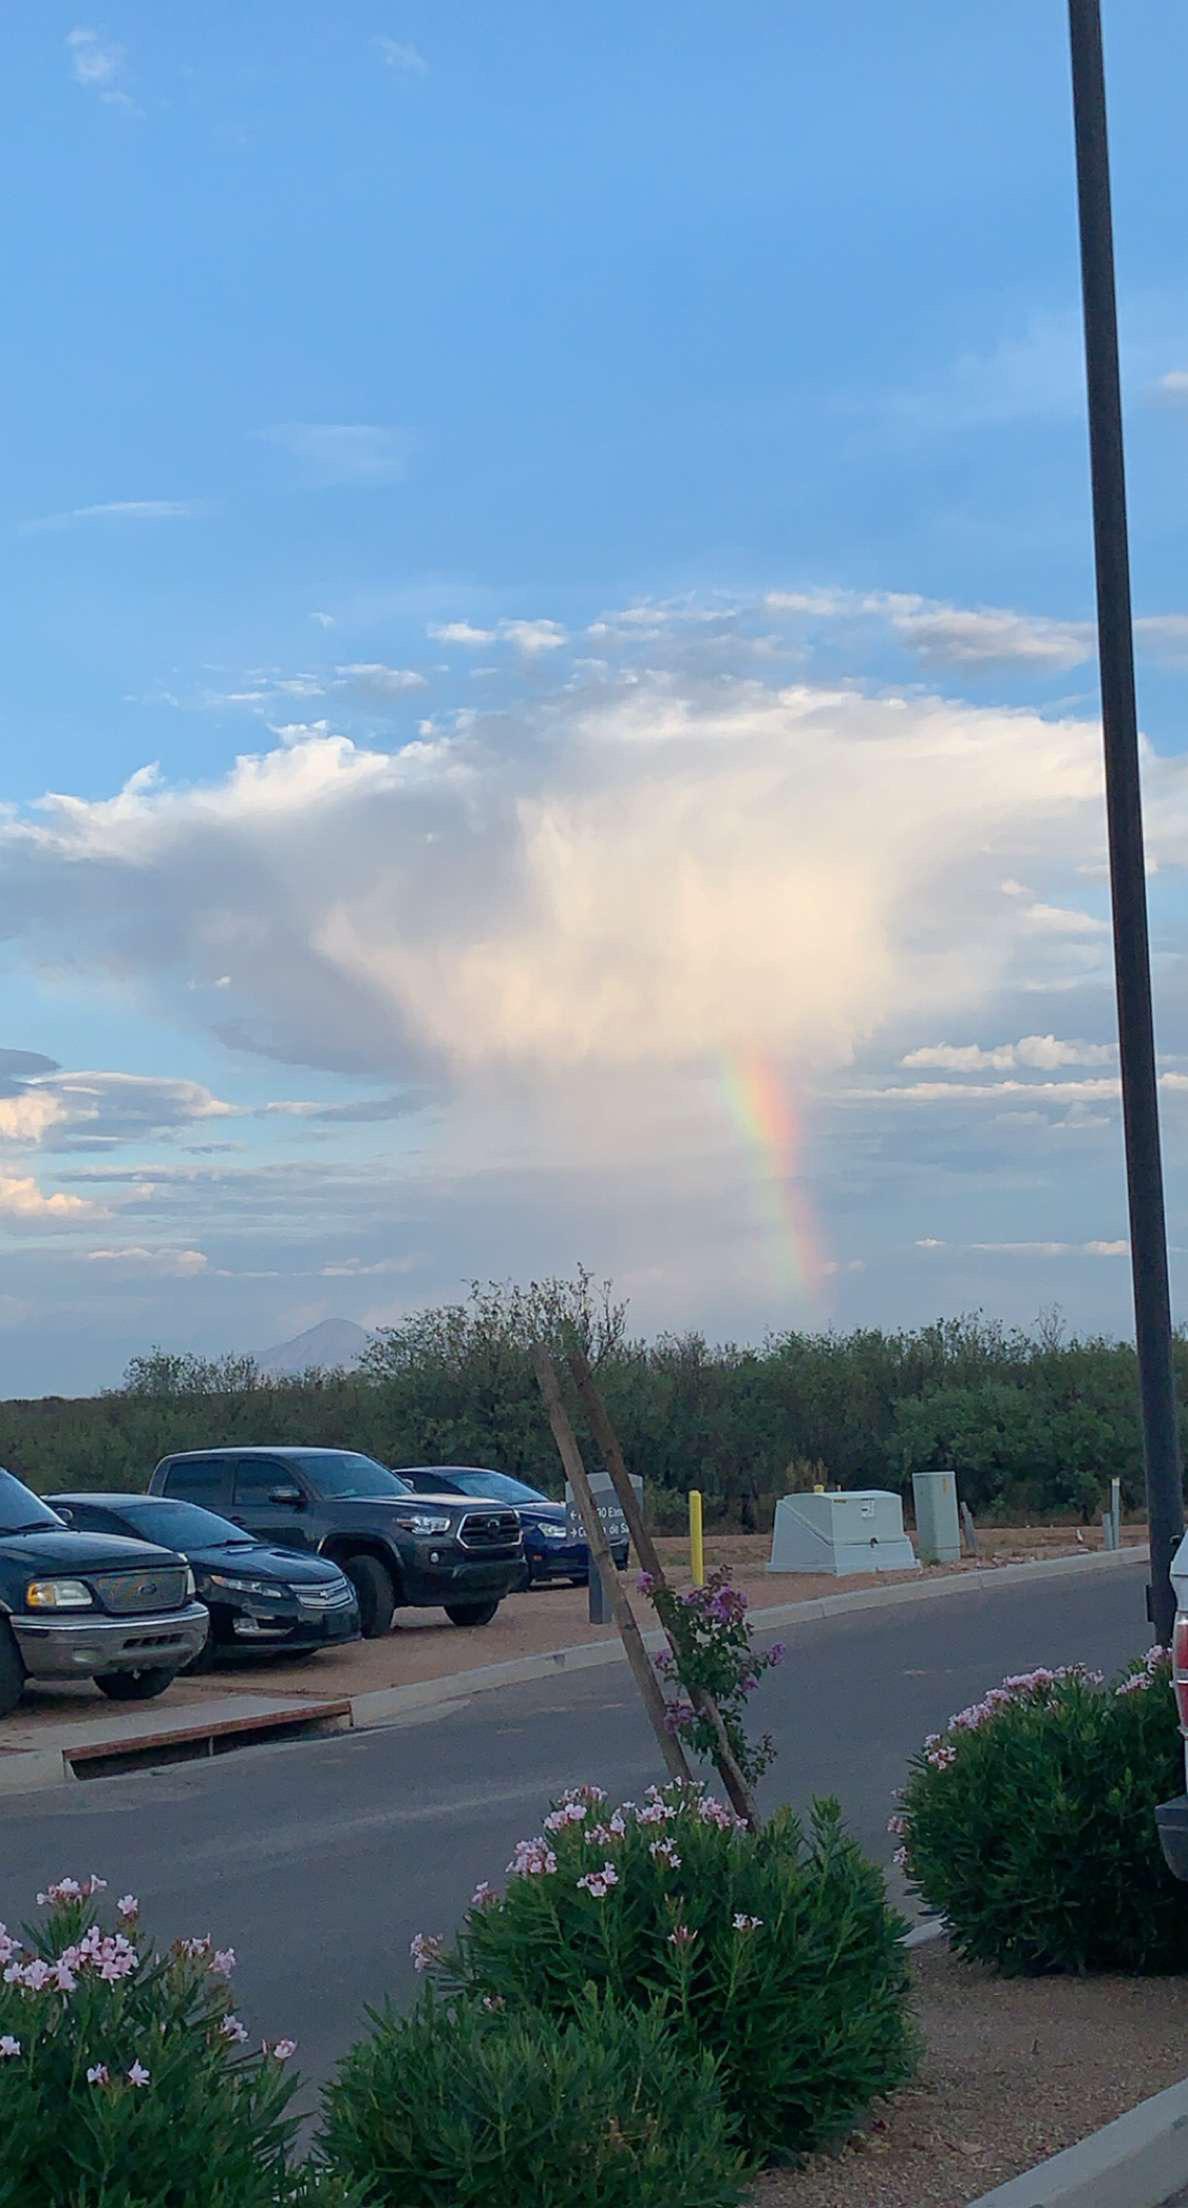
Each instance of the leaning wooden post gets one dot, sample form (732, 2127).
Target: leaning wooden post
(602, 1560)
(741, 1798)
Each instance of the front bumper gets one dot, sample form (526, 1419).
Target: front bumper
(85, 1647)
(254, 1622)
(458, 1578)
(1171, 1820)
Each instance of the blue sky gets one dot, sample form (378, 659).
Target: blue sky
(621, 487)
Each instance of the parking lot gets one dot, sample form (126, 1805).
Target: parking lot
(423, 1645)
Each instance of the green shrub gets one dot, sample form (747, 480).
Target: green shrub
(774, 1953)
(460, 2107)
(123, 2077)
(1030, 1823)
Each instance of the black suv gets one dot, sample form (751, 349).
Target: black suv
(87, 1606)
(396, 1547)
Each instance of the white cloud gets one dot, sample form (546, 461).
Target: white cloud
(119, 509)
(344, 453)
(357, 1268)
(1174, 386)
(945, 635)
(1062, 920)
(1044, 1052)
(27, 1117)
(23, 1202)
(533, 637)
(660, 874)
(1051, 1249)
(99, 65)
(156, 1264)
(461, 632)
(380, 680)
(398, 54)
(324, 620)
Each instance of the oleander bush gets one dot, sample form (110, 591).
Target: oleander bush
(464, 2106)
(1030, 1822)
(125, 2077)
(775, 1952)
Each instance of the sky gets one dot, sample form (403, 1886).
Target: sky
(548, 683)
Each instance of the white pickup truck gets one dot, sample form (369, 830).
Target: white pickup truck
(1172, 1817)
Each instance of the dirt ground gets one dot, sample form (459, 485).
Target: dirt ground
(1014, 2071)
(424, 1645)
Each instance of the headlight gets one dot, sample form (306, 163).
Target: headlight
(420, 1522)
(58, 1594)
(191, 1584)
(245, 1586)
(553, 1533)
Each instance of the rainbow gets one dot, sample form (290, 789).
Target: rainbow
(762, 1107)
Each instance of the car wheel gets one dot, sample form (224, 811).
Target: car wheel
(12, 1673)
(136, 1686)
(470, 1613)
(376, 1595)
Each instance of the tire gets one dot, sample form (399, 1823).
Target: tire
(136, 1686)
(12, 1672)
(471, 1613)
(376, 1594)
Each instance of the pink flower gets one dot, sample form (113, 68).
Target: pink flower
(128, 1908)
(533, 1859)
(425, 1949)
(681, 1936)
(36, 1975)
(747, 1924)
(493, 2002)
(8, 1946)
(8, 2046)
(64, 1978)
(63, 1889)
(138, 2075)
(98, 2074)
(646, 1583)
(195, 1949)
(484, 1896)
(223, 1961)
(95, 1885)
(900, 1859)
(283, 2049)
(232, 2029)
(897, 1826)
(776, 1653)
(664, 1851)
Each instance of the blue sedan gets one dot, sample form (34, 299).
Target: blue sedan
(549, 1553)
(259, 1598)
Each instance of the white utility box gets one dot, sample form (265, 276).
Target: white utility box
(860, 1530)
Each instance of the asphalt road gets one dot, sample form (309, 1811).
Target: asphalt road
(319, 1860)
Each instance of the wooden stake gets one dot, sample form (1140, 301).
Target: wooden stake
(601, 1559)
(742, 1800)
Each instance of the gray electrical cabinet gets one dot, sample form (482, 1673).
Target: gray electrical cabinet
(938, 1525)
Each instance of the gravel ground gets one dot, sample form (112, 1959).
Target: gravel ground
(1014, 2071)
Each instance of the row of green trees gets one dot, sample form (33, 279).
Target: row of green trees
(1034, 1423)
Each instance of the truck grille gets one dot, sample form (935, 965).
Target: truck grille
(490, 1529)
(135, 1594)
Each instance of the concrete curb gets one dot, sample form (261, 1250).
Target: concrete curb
(1140, 2161)
(387, 1705)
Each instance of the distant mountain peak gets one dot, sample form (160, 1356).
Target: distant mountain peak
(326, 1346)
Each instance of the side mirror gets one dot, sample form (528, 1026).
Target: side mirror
(287, 1498)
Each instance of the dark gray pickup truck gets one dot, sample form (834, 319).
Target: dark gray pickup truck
(397, 1547)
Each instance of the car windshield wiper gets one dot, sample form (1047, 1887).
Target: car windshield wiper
(35, 1525)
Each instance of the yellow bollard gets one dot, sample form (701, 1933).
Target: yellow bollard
(696, 1543)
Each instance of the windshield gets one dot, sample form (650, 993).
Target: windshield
(180, 1525)
(498, 1486)
(338, 1472)
(20, 1510)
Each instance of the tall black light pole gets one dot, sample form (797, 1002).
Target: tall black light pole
(1128, 887)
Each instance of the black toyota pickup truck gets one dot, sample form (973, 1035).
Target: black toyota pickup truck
(398, 1548)
(89, 1606)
